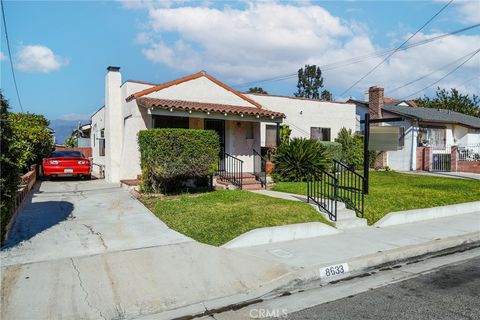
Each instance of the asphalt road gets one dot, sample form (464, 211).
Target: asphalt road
(452, 292)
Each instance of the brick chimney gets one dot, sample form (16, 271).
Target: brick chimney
(375, 101)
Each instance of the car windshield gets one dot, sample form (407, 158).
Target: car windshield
(59, 154)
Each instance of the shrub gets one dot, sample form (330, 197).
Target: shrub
(168, 157)
(352, 148)
(10, 176)
(285, 132)
(294, 159)
(31, 138)
(333, 150)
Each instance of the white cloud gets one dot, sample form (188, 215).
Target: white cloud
(2, 56)
(38, 58)
(74, 116)
(469, 11)
(267, 39)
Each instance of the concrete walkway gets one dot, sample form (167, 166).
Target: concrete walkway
(455, 175)
(355, 243)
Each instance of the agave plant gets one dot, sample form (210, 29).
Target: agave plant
(294, 159)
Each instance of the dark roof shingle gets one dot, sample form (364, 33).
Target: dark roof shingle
(434, 115)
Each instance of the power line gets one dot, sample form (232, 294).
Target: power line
(429, 74)
(10, 56)
(398, 48)
(434, 83)
(358, 59)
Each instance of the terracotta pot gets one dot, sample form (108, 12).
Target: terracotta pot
(269, 167)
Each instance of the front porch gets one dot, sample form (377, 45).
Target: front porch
(240, 162)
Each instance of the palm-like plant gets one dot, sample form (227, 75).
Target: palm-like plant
(294, 159)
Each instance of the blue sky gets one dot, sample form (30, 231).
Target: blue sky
(61, 48)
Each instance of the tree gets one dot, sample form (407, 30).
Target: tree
(257, 90)
(285, 132)
(309, 82)
(452, 100)
(71, 141)
(10, 176)
(326, 95)
(31, 138)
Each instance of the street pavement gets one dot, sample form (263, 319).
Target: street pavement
(451, 293)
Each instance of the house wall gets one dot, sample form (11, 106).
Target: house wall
(404, 159)
(360, 112)
(98, 123)
(200, 90)
(301, 114)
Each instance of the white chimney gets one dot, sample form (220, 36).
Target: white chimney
(113, 124)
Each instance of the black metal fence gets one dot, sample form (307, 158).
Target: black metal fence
(259, 168)
(322, 190)
(230, 168)
(350, 187)
(342, 184)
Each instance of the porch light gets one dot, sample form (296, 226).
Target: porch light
(241, 115)
(272, 117)
(258, 116)
(208, 112)
(189, 111)
(225, 114)
(171, 109)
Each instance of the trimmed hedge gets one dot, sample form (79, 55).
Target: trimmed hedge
(168, 157)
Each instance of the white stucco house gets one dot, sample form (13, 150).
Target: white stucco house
(197, 101)
(307, 118)
(437, 129)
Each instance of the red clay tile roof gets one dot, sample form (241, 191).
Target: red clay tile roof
(188, 78)
(201, 106)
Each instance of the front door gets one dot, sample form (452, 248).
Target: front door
(219, 127)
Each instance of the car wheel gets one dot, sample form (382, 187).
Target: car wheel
(88, 177)
(45, 178)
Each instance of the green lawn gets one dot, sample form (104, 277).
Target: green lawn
(220, 216)
(392, 191)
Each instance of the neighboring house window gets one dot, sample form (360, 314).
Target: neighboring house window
(432, 136)
(101, 143)
(321, 134)
(170, 122)
(270, 135)
(401, 138)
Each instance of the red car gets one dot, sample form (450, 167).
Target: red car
(67, 163)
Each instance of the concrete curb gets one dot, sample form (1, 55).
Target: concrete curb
(303, 278)
(276, 234)
(415, 215)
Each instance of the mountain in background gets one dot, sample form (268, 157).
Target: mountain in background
(63, 128)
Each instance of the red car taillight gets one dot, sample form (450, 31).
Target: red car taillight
(52, 161)
(82, 162)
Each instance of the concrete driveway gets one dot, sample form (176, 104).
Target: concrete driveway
(71, 218)
(88, 250)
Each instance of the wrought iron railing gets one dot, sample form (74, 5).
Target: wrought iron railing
(350, 187)
(440, 158)
(469, 153)
(230, 168)
(322, 190)
(260, 168)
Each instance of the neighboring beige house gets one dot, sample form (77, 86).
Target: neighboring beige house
(197, 101)
(307, 118)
